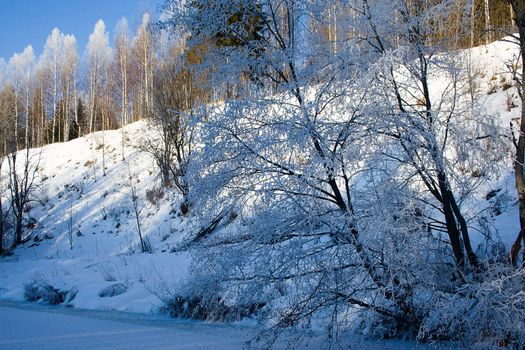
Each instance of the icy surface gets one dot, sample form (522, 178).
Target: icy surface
(29, 327)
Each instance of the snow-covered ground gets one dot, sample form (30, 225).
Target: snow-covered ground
(44, 328)
(24, 326)
(85, 233)
(83, 236)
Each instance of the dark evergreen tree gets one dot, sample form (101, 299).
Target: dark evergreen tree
(81, 122)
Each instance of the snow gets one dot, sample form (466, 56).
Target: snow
(24, 326)
(37, 328)
(105, 243)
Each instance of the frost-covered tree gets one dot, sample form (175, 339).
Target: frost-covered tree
(57, 80)
(21, 166)
(292, 167)
(22, 170)
(143, 55)
(98, 55)
(318, 185)
(29, 58)
(39, 105)
(20, 70)
(442, 136)
(122, 59)
(69, 88)
(123, 63)
(52, 60)
(175, 94)
(19, 169)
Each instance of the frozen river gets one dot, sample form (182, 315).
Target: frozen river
(25, 326)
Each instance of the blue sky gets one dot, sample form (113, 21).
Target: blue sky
(24, 22)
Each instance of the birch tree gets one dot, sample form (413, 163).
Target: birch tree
(52, 57)
(144, 62)
(98, 54)
(68, 80)
(39, 106)
(122, 60)
(21, 69)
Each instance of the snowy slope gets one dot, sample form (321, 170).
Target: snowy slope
(498, 97)
(75, 198)
(76, 201)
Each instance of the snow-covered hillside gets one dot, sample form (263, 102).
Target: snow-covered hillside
(495, 92)
(82, 231)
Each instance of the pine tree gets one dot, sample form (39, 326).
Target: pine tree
(80, 123)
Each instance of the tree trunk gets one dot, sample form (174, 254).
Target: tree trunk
(17, 118)
(518, 7)
(18, 229)
(55, 82)
(67, 106)
(519, 177)
(124, 98)
(487, 22)
(43, 132)
(26, 138)
(472, 257)
(79, 132)
(452, 229)
(16, 199)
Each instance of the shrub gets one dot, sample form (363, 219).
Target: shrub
(213, 309)
(485, 314)
(107, 272)
(154, 195)
(38, 289)
(148, 246)
(492, 89)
